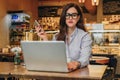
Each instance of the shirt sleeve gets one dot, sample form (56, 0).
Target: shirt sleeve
(85, 52)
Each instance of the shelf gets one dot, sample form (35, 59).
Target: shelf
(97, 31)
(51, 32)
(19, 23)
(115, 47)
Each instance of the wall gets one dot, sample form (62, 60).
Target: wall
(28, 6)
(3, 28)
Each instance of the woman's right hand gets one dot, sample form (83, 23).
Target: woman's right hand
(41, 33)
(73, 65)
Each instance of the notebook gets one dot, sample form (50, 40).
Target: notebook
(45, 55)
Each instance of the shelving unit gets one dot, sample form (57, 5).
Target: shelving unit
(20, 22)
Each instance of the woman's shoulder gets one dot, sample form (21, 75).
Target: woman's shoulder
(84, 34)
(82, 31)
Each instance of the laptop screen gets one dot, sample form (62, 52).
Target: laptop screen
(45, 55)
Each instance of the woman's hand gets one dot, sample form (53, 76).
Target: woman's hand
(41, 33)
(73, 65)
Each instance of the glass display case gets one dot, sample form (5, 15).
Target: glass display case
(106, 38)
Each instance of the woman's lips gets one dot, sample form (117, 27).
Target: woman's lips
(70, 21)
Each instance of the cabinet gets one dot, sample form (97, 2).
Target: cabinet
(106, 38)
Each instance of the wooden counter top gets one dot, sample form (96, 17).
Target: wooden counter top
(92, 72)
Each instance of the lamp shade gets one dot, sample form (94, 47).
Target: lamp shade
(95, 2)
(81, 1)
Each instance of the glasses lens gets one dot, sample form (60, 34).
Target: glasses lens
(74, 16)
(67, 16)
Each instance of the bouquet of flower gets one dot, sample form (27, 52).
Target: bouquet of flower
(16, 50)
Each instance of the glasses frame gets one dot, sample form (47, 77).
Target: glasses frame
(72, 15)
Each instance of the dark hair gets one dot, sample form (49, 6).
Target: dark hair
(63, 27)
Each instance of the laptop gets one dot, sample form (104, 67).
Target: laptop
(45, 55)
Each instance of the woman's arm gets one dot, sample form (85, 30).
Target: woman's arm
(85, 52)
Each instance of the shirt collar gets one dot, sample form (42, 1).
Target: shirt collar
(74, 32)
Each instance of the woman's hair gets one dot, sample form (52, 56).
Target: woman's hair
(63, 27)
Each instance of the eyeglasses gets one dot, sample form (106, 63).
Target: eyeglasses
(72, 15)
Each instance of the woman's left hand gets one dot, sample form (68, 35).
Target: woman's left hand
(41, 33)
(73, 65)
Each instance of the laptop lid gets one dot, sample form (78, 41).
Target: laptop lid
(45, 55)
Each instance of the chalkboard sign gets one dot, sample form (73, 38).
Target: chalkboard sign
(49, 11)
(111, 7)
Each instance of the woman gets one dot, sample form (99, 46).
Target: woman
(73, 33)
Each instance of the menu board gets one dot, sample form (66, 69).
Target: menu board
(49, 11)
(111, 7)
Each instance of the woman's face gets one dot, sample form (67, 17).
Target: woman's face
(72, 17)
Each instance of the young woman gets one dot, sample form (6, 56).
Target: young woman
(73, 33)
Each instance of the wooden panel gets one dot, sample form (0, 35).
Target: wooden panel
(13, 5)
(3, 27)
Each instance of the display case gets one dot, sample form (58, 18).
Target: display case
(106, 38)
(19, 23)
